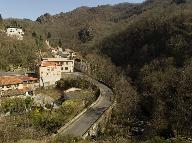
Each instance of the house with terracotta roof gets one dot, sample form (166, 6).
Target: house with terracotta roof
(17, 85)
(51, 69)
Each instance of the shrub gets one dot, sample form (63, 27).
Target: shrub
(16, 105)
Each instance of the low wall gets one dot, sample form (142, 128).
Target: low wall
(99, 125)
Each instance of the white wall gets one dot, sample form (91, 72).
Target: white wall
(49, 75)
(17, 32)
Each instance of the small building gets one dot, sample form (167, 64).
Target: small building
(17, 85)
(70, 53)
(16, 32)
(50, 70)
(59, 53)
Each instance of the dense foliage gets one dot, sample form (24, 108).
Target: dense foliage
(155, 53)
(21, 53)
(142, 51)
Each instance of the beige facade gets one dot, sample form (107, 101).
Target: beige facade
(51, 68)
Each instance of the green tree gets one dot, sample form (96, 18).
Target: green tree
(86, 34)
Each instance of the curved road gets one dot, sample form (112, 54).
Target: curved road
(85, 121)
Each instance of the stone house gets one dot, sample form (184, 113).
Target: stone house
(50, 70)
(17, 85)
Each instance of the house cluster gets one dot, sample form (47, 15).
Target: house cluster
(52, 69)
(17, 85)
(16, 32)
(49, 71)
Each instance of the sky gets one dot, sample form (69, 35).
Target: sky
(31, 9)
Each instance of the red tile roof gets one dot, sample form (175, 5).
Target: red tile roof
(47, 64)
(26, 78)
(11, 80)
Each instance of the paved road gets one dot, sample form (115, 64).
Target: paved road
(82, 124)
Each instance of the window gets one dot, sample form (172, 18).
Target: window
(66, 68)
(61, 68)
(66, 63)
(25, 82)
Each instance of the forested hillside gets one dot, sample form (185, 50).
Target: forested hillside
(142, 51)
(154, 55)
(84, 26)
(26, 53)
(78, 30)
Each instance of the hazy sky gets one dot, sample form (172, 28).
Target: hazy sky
(32, 9)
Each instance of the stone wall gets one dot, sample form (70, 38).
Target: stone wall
(99, 126)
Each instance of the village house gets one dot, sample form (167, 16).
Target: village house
(17, 85)
(50, 70)
(16, 32)
(59, 53)
(70, 53)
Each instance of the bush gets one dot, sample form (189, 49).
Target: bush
(16, 105)
(45, 121)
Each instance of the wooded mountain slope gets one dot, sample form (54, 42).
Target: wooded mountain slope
(154, 53)
(142, 51)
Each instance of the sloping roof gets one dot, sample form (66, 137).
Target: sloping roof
(47, 64)
(11, 80)
(56, 60)
(26, 78)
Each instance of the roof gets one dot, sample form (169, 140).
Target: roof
(11, 80)
(47, 64)
(56, 60)
(26, 78)
(14, 27)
